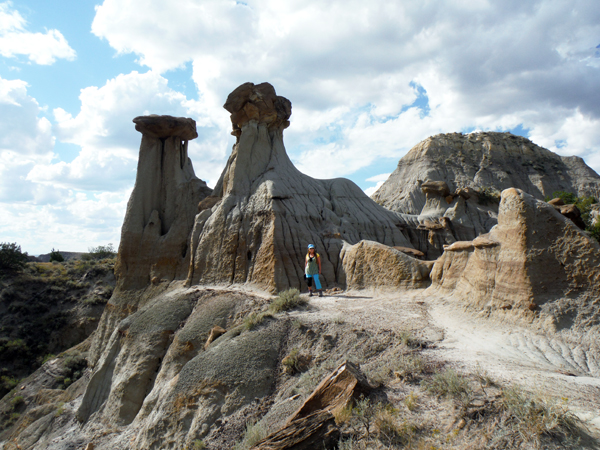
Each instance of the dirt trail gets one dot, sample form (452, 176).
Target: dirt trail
(512, 353)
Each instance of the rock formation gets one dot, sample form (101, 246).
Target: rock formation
(264, 212)
(372, 265)
(535, 263)
(154, 247)
(161, 209)
(459, 177)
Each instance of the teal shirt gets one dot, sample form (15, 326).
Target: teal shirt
(312, 268)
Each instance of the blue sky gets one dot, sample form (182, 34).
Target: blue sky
(367, 81)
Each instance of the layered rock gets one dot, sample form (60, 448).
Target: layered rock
(161, 209)
(154, 245)
(459, 177)
(535, 263)
(264, 212)
(372, 265)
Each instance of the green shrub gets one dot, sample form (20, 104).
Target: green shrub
(55, 255)
(287, 300)
(449, 384)
(11, 257)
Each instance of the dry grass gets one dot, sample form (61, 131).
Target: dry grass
(254, 319)
(287, 300)
(255, 431)
(449, 384)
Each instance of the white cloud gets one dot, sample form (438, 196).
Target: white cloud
(108, 139)
(41, 48)
(379, 179)
(350, 68)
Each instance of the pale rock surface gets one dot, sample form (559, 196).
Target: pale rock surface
(369, 264)
(535, 264)
(474, 167)
(265, 212)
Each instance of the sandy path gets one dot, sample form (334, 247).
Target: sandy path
(507, 353)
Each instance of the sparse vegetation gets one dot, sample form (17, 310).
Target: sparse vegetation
(254, 319)
(449, 384)
(100, 252)
(287, 300)
(530, 419)
(255, 432)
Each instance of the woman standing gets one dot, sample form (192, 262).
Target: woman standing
(312, 270)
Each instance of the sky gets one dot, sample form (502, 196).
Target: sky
(367, 82)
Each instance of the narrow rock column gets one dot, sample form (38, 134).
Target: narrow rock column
(161, 209)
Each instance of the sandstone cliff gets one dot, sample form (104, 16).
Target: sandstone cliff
(535, 264)
(447, 187)
(264, 212)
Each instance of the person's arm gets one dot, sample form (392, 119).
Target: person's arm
(319, 262)
(305, 262)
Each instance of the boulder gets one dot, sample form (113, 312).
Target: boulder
(369, 264)
(556, 202)
(535, 264)
(267, 211)
(572, 212)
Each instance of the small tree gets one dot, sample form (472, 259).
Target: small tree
(55, 255)
(11, 257)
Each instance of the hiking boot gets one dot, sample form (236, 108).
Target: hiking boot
(310, 293)
(320, 293)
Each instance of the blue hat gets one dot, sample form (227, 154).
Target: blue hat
(311, 246)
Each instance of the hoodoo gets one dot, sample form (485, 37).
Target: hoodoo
(263, 211)
(161, 209)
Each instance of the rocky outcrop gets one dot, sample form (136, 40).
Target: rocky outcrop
(459, 177)
(535, 263)
(372, 265)
(265, 212)
(161, 209)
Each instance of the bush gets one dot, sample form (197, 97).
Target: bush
(55, 255)
(100, 252)
(287, 300)
(11, 257)
(449, 384)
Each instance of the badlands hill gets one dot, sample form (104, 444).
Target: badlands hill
(447, 187)
(484, 161)
(194, 351)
